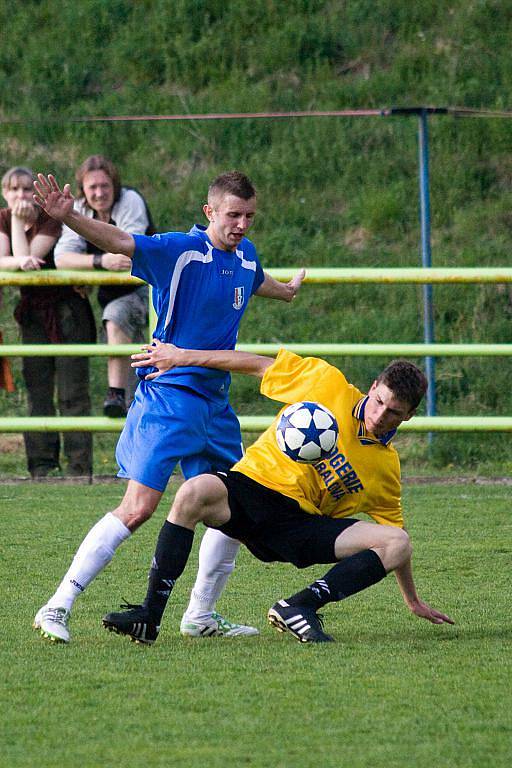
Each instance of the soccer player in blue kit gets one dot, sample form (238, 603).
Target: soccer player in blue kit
(202, 282)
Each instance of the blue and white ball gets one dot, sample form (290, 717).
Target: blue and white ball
(306, 432)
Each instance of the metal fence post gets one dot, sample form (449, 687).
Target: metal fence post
(426, 258)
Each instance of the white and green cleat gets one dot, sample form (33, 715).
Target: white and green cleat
(214, 625)
(52, 623)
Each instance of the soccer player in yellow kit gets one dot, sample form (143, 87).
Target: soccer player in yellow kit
(287, 511)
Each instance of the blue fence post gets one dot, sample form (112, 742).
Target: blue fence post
(426, 259)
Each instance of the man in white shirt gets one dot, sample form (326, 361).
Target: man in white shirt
(125, 307)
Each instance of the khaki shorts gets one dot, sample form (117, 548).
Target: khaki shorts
(130, 313)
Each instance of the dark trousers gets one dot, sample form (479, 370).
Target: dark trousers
(69, 378)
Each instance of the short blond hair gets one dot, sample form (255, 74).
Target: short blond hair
(231, 183)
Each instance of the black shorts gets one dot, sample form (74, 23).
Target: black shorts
(274, 527)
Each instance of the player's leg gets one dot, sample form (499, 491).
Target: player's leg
(173, 427)
(144, 458)
(217, 556)
(94, 554)
(365, 552)
(203, 498)
(217, 553)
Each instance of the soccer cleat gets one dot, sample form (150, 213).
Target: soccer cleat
(114, 406)
(215, 626)
(52, 623)
(135, 622)
(302, 622)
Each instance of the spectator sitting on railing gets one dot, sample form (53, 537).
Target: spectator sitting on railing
(125, 307)
(49, 314)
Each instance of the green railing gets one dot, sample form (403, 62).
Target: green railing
(420, 275)
(258, 423)
(250, 424)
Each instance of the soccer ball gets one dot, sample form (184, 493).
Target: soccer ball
(306, 432)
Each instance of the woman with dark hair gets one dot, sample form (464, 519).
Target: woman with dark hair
(46, 315)
(125, 307)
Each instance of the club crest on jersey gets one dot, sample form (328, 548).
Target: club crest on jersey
(239, 298)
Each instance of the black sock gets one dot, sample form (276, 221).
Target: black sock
(171, 555)
(347, 577)
(113, 391)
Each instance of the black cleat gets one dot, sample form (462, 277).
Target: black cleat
(303, 623)
(115, 406)
(135, 622)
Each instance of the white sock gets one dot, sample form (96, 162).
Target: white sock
(216, 561)
(94, 553)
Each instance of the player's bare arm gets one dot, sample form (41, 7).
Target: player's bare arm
(421, 609)
(59, 205)
(168, 356)
(273, 289)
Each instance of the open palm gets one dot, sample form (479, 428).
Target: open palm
(56, 202)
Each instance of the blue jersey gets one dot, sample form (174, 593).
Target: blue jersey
(200, 294)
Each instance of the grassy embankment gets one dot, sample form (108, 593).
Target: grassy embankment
(333, 192)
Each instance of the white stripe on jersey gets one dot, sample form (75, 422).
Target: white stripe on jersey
(246, 264)
(181, 263)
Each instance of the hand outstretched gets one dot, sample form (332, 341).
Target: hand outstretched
(295, 283)
(56, 202)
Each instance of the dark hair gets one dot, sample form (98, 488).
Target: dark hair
(405, 380)
(99, 163)
(231, 183)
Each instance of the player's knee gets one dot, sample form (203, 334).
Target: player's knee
(134, 512)
(192, 501)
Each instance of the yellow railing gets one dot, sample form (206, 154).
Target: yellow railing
(314, 275)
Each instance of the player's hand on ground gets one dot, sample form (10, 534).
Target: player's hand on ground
(56, 202)
(424, 611)
(157, 355)
(116, 262)
(295, 283)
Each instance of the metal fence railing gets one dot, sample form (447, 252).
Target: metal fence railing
(420, 275)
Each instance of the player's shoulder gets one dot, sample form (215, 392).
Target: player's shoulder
(180, 241)
(248, 248)
(248, 258)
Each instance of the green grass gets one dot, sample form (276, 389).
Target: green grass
(393, 690)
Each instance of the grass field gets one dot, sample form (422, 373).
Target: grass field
(393, 691)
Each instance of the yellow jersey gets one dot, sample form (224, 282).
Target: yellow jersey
(362, 475)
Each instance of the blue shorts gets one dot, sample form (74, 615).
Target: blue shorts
(168, 424)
